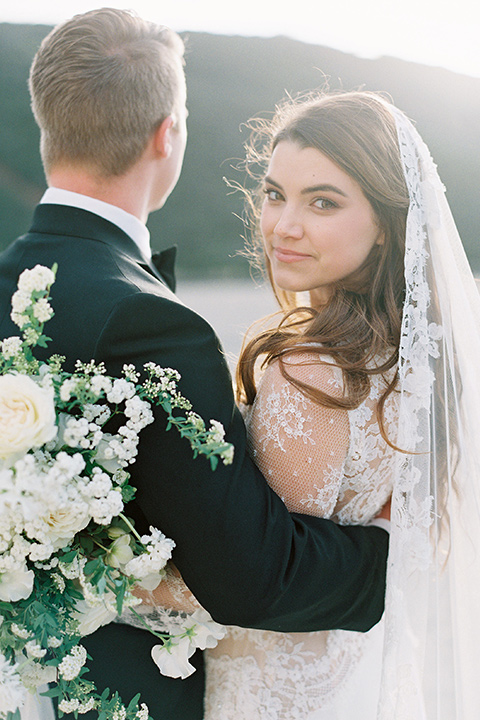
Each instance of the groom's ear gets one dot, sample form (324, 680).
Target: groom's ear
(162, 137)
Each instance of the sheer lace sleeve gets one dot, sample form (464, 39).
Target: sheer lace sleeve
(299, 445)
(165, 608)
(171, 593)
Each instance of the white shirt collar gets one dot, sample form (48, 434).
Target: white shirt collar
(124, 220)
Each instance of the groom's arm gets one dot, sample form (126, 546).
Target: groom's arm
(247, 560)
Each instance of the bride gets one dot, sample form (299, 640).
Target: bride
(369, 390)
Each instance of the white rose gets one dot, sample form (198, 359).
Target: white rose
(91, 618)
(16, 584)
(172, 658)
(27, 415)
(62, 524)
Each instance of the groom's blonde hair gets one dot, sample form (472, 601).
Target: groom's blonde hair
(100, 84)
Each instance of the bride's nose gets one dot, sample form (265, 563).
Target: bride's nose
(289, 224)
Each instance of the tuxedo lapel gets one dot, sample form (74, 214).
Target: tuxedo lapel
(75, 222)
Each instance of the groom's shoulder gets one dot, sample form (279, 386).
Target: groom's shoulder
(96, 287)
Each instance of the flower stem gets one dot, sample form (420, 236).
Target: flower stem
(130, 526)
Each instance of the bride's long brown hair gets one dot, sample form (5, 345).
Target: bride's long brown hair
(360, 326)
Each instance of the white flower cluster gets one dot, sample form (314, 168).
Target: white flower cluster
(44, 502)
(73, 662)
(38, 279)
(11, 347)
(69, 706)
(147, 568)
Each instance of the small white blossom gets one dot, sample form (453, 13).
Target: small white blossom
(72, 570)
(42, 310)
(131, 373)
(75, 431)
(227, 455)
(119, 713)
(31, 336)
(72, 663)
(20, 319)
(20, 632)
(21, 301)
(104, 509)
(217, 430)
(40, 551)
(34, 650)
(67, 389)
(11, 347)
(100, 484)
(59, 583)
(142, 714)
(38, 278)
(68, 706)
(100, 384)
(121, 390)
(86, 706)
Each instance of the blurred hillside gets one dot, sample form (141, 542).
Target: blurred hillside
(231, 79)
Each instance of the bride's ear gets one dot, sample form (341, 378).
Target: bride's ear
(162, 137)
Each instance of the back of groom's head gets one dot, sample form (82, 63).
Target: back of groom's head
(101, 83)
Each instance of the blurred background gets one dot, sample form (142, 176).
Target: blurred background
(241, 60)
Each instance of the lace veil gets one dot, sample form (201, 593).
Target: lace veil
(432, 642)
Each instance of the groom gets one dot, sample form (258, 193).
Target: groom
(108, 93)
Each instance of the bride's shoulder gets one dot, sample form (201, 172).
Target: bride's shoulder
(307, 365)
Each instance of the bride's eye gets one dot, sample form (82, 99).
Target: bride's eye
(272, 194)
(324, 204)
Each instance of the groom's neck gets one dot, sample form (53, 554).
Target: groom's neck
(130, 191)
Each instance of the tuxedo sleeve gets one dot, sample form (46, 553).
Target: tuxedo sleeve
(247, 560)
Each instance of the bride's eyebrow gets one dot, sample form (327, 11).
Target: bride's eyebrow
(323, 188)
(268, 179)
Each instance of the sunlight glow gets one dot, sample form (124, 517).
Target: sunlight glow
(431, 32)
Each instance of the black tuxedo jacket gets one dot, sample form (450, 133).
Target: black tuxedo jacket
(247, 560)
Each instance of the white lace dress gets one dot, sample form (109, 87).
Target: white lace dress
(326, 462)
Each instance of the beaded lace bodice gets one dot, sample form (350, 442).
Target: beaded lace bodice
(326, 462)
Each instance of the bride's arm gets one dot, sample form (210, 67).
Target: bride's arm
(299, 445)
(171, 593)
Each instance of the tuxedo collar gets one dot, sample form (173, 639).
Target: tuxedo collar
(75, 222)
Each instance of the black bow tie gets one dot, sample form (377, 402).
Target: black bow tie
(164, 262)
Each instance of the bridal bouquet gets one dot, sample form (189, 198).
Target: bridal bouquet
(69, 557)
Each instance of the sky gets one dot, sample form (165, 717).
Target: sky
(443, 33)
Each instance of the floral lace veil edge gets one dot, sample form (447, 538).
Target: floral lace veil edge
(432, 618)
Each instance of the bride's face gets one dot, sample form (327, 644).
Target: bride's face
(318, 226)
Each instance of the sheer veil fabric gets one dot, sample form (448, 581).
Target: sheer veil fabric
(432, 642)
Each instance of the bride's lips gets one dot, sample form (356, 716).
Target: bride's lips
(289, 256)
